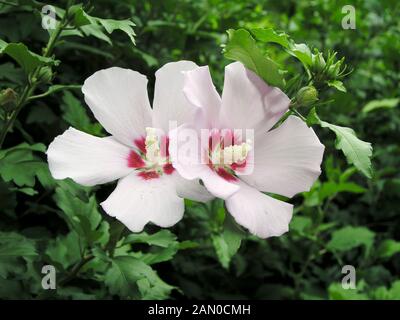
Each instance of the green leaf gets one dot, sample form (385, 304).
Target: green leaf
(75, 115)
(337, 292)
(299, 50)
(125, 26)
(188, 244)
(227, 243)
(15, 245)
(27, 191)
(64, 250)
(20, 165)
(330, 189)
(11, 73)
(383, 293)
(157, 255)
(129, 277)
(163, 238)
(357, 152)
(81, 213)
(300, 224)
(394, 292)
(338, 85)
(349, 237)
(388, 248)
(25, 58)
(12, 247)
(270, 35)
(312, 118)
(42, 115)
(379, 104)
(242, 47)
(96, 31)
(94, 26)
(302, 52)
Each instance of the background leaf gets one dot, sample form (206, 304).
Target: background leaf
(242, 47)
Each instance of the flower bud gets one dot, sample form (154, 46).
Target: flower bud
(45, 75)
(333, 70)
(7, 98)
(307, 96)
(318, 62)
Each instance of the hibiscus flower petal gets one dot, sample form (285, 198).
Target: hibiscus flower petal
(118, 99)
(191, 189)
(200, 91)
(217, 185)
(248, 102)
(189, 163)
(87, 159)
(136, 202)
(262, 215)
(170, 104)
(287, 159)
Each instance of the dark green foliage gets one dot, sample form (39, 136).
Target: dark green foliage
(345, 219)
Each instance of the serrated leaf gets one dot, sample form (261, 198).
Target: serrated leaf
(125, 26)
(20, 165)
(242, 47)
(75, 115)
(12, 247)
(129, 277)
(227, 243)
(298, 50)
(94, 26)
(96, 31)
(270, 35)
(357, 152)
(157, 255)
(349, 237)
(163, 238)
(64, 250)
(24, 57)
(81, 213)
(15, 245)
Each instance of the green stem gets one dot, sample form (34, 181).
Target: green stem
(75, 270)
(49, 92)
(117, 231)
(32, 84)
(11, 119)
(293, 110)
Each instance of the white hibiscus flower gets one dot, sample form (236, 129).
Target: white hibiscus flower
(149, 188)
(284, 161)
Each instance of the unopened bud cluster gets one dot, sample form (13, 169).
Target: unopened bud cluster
(328, 69)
